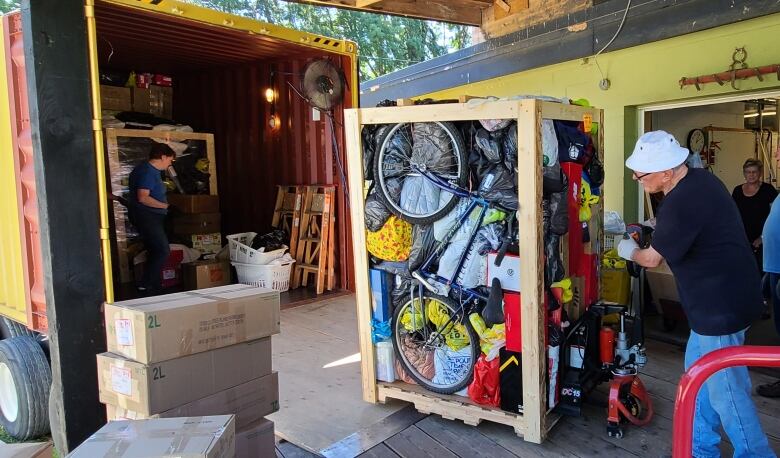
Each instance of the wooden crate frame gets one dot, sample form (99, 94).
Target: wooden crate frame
(534, 423)
(111, 136)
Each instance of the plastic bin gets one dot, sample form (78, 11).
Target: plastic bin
(272, 276)
(241, 250)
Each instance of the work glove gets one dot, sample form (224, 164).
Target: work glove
(626, 248)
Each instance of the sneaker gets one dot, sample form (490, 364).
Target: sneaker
(769, 390)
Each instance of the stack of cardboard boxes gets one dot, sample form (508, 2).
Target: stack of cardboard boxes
(195, 222)
(199, 353)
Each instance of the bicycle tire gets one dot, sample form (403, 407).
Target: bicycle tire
(413, 371)
(381, 162)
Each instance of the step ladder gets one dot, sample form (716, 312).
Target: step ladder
(315, 251)
(287, 212)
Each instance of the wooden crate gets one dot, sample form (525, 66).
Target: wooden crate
(535, 421)
(120, 223)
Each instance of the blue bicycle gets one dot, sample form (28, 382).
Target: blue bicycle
(434, 339)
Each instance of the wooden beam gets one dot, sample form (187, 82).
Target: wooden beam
(354, 145)
(529, 217)
(524, 13)
(467, 12)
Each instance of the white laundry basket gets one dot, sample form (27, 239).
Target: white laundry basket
(241, 250)
(272, 276)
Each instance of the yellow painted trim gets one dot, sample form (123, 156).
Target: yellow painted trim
(100, 155)
(13, 300)
(220, 19)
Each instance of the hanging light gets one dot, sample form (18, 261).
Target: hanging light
(273, 122)
(269, 95)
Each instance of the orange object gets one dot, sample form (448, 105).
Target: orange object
(607, 345)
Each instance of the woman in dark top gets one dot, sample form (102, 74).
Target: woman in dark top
(753, 198)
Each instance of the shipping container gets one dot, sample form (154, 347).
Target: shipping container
(222, 67)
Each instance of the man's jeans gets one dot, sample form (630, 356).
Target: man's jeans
(724, 399)
(151, 226)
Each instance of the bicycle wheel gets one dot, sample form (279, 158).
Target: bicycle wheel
(439, 356)
(435, 147)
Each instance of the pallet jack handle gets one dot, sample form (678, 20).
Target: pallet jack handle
(698, 373)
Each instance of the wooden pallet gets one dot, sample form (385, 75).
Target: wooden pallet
(315, 248)
(451, 407)
(287, 212)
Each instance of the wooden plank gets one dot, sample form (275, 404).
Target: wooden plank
(503, 109)
(462, 440)
(567, 112)
(379, 451)
(505, 437)
(532, 320)
(370, 438)
(210, 154)
(413, 443)
(451, 407)
(165, 135)
(365, 3)
(354, 142)
(525, 13)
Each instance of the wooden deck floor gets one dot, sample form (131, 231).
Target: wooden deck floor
(410, 434)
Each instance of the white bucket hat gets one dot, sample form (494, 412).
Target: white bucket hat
(656, 151)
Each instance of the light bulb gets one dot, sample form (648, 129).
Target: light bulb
(269, 95)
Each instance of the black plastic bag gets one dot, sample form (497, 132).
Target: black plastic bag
(402, 293)
(432, 148)
(271, 241)
(510, 146)
(554, 270)
(490, 144)
(500, 185)
(376, 212)
(553, 179)
(369, 134)
(595, 171)
(559, 213)
(423, 244)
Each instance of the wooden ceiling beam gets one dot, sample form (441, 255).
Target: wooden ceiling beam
(468, 12)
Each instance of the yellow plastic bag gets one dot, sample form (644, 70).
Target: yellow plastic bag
(490, 339)
(455, 335)
(391, 243)
(586, 200)
(562, 290)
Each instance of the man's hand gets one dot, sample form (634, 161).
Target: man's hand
(757, 242)
(626, 248)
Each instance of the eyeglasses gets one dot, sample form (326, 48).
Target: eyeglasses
(639, 177)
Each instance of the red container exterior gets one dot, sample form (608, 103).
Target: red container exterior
(607, 345)
(25, 174)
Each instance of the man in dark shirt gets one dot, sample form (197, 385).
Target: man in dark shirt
(147, 207)
(700, 235)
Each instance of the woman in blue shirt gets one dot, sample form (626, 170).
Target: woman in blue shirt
(147, 207)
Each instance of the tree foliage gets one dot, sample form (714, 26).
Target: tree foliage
(8, 5)
(385, 43)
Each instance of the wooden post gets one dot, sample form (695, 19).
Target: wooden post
(352, 125)
(529, 146)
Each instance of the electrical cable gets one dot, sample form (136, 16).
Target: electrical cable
(617, 32)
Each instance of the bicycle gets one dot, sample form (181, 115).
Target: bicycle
(431, 324)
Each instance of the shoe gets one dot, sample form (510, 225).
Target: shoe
(769, 390)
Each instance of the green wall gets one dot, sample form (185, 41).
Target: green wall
(642, 75)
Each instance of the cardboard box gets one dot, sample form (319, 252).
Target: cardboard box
(207, 244)
(256, 440)
(150, 389)
(114, 98)
(249, 402)
(160, 328)
(205, 274)
(208, 437)
(198, 223)
(194, 203)
(156, 100)
(508, 272)
(28, 450)
(662, 283)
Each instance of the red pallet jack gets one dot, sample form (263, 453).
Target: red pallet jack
(595, 353)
